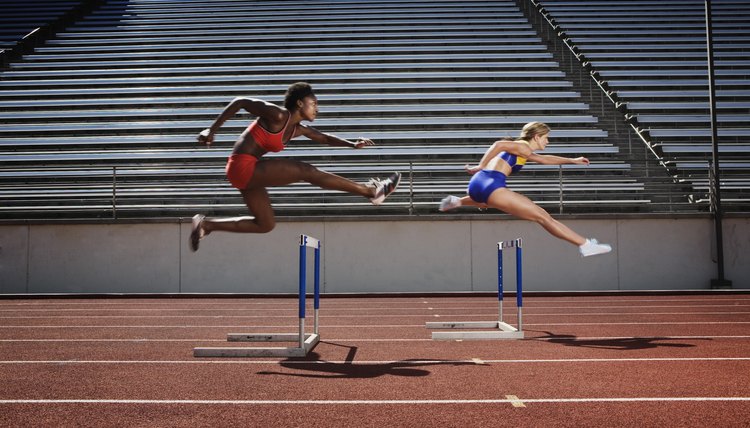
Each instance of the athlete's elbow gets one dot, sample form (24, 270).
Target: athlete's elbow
(496, 147)
(240, 101)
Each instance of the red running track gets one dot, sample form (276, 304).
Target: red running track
(616, 360)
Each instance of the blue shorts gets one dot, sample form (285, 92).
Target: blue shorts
(483, 183)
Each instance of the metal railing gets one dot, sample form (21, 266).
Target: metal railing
(139, 191)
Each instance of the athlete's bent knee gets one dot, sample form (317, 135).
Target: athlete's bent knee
(266, 226)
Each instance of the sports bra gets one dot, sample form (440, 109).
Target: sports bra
(269, 141)
(515, 162)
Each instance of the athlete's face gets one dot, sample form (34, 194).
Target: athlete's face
(542, 140)
(308, 107)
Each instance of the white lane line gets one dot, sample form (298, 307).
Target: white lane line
(237, 326)
(384, 402)
(349, 302)
(245, 326)
(288, 306)
(392, 362)
(469, 309)
(657, 338)
(292, 313)
(192, 340)
(637, 323)
(562, 338)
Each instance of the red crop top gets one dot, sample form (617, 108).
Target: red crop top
(269, 141)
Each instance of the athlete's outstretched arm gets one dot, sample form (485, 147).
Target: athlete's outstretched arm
(330, 139)
(557, 160)
(253, 106)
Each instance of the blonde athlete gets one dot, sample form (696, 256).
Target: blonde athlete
(487, 186)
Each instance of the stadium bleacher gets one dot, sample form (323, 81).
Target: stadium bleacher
(100, 120)
(652, 57)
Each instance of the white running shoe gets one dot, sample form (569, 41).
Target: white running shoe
(196, 234)
(383, 188)
(450, 202)
(592, 247)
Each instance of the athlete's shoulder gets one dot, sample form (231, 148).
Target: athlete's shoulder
(524, 149)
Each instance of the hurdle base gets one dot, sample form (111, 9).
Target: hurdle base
(311, 340)
(497, 330)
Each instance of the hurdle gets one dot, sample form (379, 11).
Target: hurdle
(305, 342)
(497, 329)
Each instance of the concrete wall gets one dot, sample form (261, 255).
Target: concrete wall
(418, 255)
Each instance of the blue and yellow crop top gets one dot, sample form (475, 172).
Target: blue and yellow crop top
(515, 162)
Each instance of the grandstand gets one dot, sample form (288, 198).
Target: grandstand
(100, 118)
(650, 59)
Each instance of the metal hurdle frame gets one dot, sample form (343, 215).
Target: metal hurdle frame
(306, 342)
(499, 329)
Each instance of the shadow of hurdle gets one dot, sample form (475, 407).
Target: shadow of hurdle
(615, 343)
(314, 367)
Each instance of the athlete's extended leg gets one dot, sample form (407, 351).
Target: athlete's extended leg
(281, 172)
(520, 206)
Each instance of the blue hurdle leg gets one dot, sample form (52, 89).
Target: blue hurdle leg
(302, 288)
(316, 304)
(519, 285)
(500, 283)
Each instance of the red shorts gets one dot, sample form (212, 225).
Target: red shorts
(239, 169)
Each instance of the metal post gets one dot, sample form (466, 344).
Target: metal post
(114, 192)
(302, 287)
(519, 284)
(316, 304)
(500, 282)
(561, 189)
(720, 282)
(411, 188)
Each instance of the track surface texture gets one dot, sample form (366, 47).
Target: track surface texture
(587, 360)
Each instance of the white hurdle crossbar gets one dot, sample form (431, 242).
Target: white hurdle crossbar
(496, 329)
(306, 342)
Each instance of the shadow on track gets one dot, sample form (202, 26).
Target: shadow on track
(318, 368)
(616, 343)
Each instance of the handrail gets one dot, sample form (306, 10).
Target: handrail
(39, 35)
(619, 105)
(411, 192)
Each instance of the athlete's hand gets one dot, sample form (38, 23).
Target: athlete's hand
(362, 142)
(581, 161)
(206, 137)
(472, 169)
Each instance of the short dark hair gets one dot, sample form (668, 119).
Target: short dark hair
(296, 92)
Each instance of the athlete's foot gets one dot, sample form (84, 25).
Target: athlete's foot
(591, 248)
(197, 233)
(383, 188)
(449, 202)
